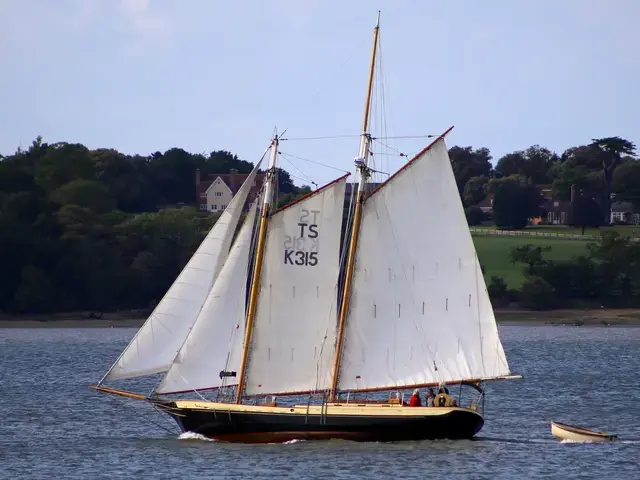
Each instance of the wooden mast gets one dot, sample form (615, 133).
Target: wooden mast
(363, 171)
(257, 266)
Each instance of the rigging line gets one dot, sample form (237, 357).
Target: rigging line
(302, 180)
(390, 148)
(314, 162)
(334, 73)
(141, 415)
(328, 137)
(294, 166)
(398, 137)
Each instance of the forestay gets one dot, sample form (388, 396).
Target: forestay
(295, 327)
(157, 342)
(214, 344)
(419, 312)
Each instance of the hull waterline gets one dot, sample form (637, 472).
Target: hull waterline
(365, 422)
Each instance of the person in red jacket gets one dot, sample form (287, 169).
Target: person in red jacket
(415, 399)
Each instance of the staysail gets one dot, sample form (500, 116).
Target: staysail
(419, 310)
(156, 344)
(295, 326)
(214, 343)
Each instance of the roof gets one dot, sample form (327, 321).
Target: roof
(622, 207)
(233, 180)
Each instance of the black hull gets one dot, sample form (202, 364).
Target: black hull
(267, 427)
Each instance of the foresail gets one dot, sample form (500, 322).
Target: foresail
(214, 344)
(295, 327)
(157, 342)
(420, 312)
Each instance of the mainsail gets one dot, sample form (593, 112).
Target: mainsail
(214, 343)
(156, 344)
(295, 326)
(419, 311)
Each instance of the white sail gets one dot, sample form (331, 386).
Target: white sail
(295, 327)
(157, 342)
(419, 310)
(214, 344)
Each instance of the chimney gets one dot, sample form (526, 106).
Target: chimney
(233, 180)
(573, 192)
(198, 186)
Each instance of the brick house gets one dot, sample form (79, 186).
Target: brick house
(215, 191)
(555, 211)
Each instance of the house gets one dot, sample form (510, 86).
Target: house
(624, 212)
(216, 191)
(486, 205)
(555, 211)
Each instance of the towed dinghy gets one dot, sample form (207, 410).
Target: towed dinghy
(579, 434)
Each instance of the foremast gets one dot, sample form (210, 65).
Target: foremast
(363, 175)
(257, 266)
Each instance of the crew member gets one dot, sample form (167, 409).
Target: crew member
(415, 399)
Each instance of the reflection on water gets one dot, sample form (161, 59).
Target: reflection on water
(55, 427)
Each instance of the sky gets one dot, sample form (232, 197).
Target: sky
(147, 75)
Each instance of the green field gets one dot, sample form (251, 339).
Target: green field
(494, 252)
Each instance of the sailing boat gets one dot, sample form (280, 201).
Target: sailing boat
(291, 331)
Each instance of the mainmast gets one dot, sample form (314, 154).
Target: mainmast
(363, 175)
(257, 267)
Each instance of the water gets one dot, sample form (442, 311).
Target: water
(54, 427)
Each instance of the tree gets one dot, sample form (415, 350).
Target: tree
(86, 193)
(626, 183)
(514, 202)
(585, 212)
(497, 289)
(611, 150)
(510, 164)
(173, 173)
(475, 215)
(529, 254)
(63, 163)
(128, 178)
(468, 163)
(285, 184)
(535, 164)
(475, 190)
(537, 294)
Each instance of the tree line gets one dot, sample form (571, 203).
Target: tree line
(98, 230)
(603, 169)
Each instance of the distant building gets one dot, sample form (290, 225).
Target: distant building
(624, 212)
(214, 192)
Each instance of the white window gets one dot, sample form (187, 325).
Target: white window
(218, 194)
(550, 217)
(214, 206)
(562, 217)
(203, 195)
(222, 207)
(203, 206)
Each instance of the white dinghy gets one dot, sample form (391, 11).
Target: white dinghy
(579, 434)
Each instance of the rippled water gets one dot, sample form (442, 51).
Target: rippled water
(54, 427)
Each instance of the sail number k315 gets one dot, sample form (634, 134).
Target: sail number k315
(302, 249)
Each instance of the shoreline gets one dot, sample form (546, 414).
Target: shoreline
(507, 317)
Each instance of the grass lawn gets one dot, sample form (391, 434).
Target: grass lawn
(494, 253)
